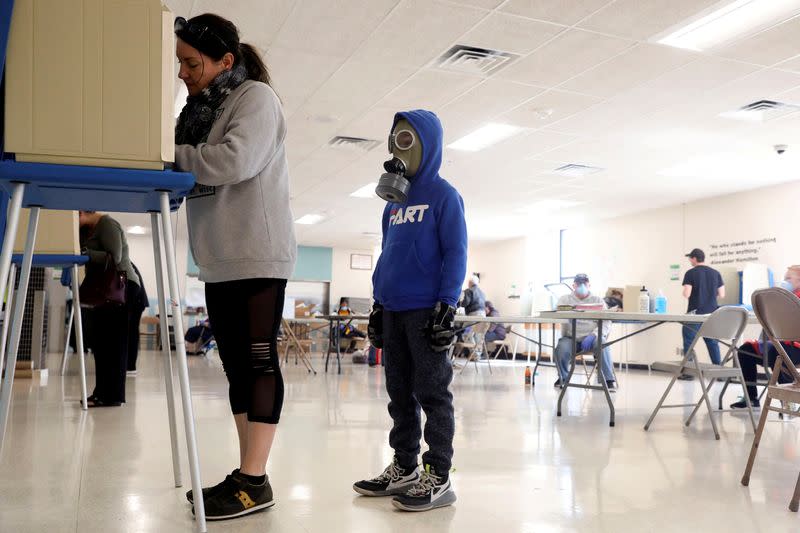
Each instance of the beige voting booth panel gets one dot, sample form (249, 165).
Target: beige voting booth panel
(57, 232)
(91, 82)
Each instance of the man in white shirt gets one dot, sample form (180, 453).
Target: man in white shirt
(586, 334)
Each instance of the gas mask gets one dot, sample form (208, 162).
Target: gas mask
(406, 149)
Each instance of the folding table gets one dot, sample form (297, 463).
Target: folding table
(67, 187)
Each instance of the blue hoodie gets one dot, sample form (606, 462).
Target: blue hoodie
(424, 248)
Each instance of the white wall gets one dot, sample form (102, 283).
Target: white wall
(348, 282)
(639, 249)
(140, 249)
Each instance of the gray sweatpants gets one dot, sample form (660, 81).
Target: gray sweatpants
(417, 377)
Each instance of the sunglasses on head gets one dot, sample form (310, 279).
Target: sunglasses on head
(199, 34)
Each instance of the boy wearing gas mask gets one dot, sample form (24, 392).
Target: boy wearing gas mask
(417, 282)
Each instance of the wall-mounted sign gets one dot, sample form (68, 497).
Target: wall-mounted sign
(360, 262)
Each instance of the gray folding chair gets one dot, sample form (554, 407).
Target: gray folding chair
(778, 310)
(479, 331)
(726, 325)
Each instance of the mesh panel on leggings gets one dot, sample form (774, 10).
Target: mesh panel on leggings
(266, 308)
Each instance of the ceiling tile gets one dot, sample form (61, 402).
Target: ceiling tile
(258, 20)
(181, 8)
(558, 11)
(641, 20)
(792, 64)
(548, 107)
(353, 89)
(430, 89)
(373, 124)
(769, 47)
(509, 33)
(568, 55)
(639, 64)
(293, 83)
(482, 104)
(702, 75)
(332, 28)
(485, 4)
(415, 33)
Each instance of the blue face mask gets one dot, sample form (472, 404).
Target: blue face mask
(582, 290)
(786, 284)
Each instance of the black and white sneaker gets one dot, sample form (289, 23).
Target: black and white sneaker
(238, 497)
(394, 480)
(431, 491)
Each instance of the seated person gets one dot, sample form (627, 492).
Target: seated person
(586, 335)
(751, 353)
(496, 332)
(347, 330)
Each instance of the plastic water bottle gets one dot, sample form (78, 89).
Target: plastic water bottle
(661, 303)
(644, 301)
(528, 377)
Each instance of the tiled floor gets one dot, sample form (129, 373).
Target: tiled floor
(519, 468)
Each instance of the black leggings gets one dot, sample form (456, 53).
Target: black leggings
(245, 317)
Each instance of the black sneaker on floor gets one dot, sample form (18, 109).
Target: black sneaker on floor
(210, 491)
(430, 492)
(686, 377)
(394, 480)
(238, 497)
(612, 386)
(741, 404)
(557, 383)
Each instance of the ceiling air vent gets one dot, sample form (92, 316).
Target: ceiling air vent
(472, 60)
(761, 111)
(353, 143)
(574, 170)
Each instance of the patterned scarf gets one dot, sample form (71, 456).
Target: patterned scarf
(200, 112)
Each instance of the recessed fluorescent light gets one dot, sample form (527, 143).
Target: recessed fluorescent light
(574, 170)
(137, 230)
(727, 21)
(309, 219)
(367, 191)
(488, 135)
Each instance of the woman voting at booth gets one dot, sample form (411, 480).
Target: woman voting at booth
(231, 136)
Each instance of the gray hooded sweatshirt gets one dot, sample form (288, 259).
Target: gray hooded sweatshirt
(240, 222)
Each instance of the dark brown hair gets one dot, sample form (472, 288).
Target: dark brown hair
(228, 33)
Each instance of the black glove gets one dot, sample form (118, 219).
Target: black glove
(375, 327)
(441, 329)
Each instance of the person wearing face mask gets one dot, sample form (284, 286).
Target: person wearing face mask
(750, 353)
(586, 334)
(347, 330)
(417, 282)
(231, 135)
(702, 285)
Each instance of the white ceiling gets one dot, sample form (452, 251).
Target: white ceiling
(589, 85)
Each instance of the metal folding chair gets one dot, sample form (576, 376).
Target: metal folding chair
(778, 310)
(478, 329)
(726, 325)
